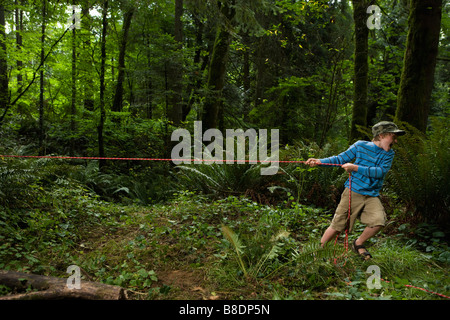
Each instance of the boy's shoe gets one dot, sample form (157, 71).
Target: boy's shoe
(365, 255)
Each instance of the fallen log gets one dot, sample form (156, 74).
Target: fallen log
(24, 286)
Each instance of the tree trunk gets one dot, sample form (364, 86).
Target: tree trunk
(118, 97)
(41, 81)
(361, 68)
(73, 109)
(176, 70)
(53, 288)
(246, 80)
(19, 29)
(148, 82)
(195, 82)
(260, 67)
(87, 82)
(216, 79)
(101, 147)
(331, 108)
(216, 75)
(416, 84)
(4, 92)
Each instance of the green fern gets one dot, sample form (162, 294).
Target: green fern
(233, 238)
(20, 179)
(312, 251)
(219, 179)
(274, 251)
(258, 261)
(420, 174)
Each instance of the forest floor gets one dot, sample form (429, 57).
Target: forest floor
(181, 250)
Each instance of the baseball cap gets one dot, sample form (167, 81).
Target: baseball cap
(386, 127)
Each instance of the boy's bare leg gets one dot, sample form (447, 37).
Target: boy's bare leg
(329, 234)
(368, 233)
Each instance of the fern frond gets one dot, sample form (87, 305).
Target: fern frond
(313, 251)
(198, 172)
(233, 238)
(274, 251)
(420, 172)
(272, 254)
(282, 234)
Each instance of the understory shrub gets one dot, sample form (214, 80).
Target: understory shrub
(222, 180)
(420, 174)
(319, 186)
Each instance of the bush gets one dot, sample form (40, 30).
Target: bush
(222, 180)
(48, 222)
(420, 174)
(294, 182)
(322, 186)
(22, 181)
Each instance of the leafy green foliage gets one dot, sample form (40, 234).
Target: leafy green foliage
(277, 248)
(233, 238)
(308, 185)
(221, 179)
(141, 278)
(420, 173)
(289, 67)
(17, 181)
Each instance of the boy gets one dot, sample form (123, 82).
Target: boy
(373, 161)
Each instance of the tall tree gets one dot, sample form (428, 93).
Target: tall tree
(416, 84)
(19, 42)
(4, 92)
(195, 81)
(361, 68)
(176, 110)
(87, 80)
(212, 109)
(118, 97)
(102, 109)
(41, 80)
(73, 109)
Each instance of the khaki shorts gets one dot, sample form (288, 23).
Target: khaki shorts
(368, 209)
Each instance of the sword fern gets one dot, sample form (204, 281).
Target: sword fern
(233, 238)
(255, 269)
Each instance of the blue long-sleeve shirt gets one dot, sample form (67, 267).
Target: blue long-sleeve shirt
(373, 163)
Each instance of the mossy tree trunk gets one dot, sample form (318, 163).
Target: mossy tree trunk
(41, 80)
(118, 96)
(216, 80)
(361, 68)
(175, 112)
(416, 84)
(212, 109)
(4, 91)
(101, 146)
(73, 105)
